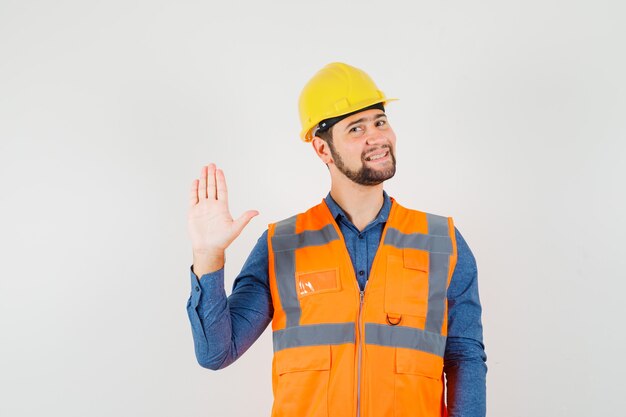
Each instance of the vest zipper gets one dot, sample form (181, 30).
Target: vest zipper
(359, 357)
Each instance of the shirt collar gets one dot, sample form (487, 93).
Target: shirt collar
(338, 212)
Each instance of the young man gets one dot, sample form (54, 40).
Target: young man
(371, 303)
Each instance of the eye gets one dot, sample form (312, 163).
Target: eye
(381, 122)
(355, 129)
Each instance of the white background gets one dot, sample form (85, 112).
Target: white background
(511, 119)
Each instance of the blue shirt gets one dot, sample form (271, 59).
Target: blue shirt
(225, 327)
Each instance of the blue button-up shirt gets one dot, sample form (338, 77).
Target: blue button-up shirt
(225, 327)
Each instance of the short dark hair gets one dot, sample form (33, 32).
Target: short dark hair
(326, 136)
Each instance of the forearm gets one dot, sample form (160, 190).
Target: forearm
(464, 359)
(225, 327)
(466, 371)
(210, 320)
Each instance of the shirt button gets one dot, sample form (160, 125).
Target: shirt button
(197, 288)
(361, 272)
(360, 236)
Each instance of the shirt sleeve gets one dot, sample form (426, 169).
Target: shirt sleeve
(464, 359)
(224, 327)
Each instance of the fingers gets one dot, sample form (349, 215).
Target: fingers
(193, 194)
(222, 190)
(243, 221)
(210, 188)
(211, 185)
(202, 184)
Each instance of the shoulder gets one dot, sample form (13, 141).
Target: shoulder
(466, 259)
(437, 224)
(416, 212)
(309, 219)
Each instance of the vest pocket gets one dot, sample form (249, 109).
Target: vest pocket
(406, 289)
(317, 282)
(302, 386)
(418, 388)
(416, 362)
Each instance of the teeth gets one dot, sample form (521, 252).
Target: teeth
(377, 156)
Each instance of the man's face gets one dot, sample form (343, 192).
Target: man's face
(363, 147)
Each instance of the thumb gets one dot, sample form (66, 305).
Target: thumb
(243, 220)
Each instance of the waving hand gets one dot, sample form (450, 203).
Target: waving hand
(211, 227)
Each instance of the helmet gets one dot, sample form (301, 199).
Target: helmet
(335, 90)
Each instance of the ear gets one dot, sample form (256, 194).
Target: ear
(322, 149)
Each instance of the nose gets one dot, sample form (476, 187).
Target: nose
(374, 137)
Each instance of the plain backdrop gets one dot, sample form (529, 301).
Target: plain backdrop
(511, 119)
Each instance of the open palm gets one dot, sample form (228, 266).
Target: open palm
(211, 226)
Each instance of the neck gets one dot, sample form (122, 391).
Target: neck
(361, 203)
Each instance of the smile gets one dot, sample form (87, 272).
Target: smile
(377, 156)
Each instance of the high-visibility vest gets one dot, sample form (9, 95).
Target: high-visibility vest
(340, 351)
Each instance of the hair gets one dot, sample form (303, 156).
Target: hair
(326, 136)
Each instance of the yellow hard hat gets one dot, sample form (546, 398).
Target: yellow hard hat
(335, 90)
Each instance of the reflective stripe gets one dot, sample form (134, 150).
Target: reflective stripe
(285, 268)
(287, 226)
(306, 238)
(437, 275)
(437, 291)
(285, 241)
(315, 334)
(405, 337)
(437, 225)
(430, 243)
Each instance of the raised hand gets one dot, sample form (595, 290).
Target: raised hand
(211, 227)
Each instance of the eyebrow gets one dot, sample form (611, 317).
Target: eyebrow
(364, 119)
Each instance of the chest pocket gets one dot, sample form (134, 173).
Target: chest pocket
(406, 287)
(317, 282)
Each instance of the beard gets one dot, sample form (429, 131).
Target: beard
(365, 175)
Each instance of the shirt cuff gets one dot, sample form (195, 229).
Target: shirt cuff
(208, 283)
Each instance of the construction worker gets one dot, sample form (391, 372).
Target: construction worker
(374, 307)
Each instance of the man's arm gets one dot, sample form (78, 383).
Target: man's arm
(224, 328)
(465, 359)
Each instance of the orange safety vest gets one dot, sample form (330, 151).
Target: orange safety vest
(339, 351)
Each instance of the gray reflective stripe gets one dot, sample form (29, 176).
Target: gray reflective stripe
(437, 225)
(437, 275)
(284, 243)
(315, 334)
(285, 269)
(430, 243)
(405, 337)
(287, 226)
(437, 289)
(306, 238)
